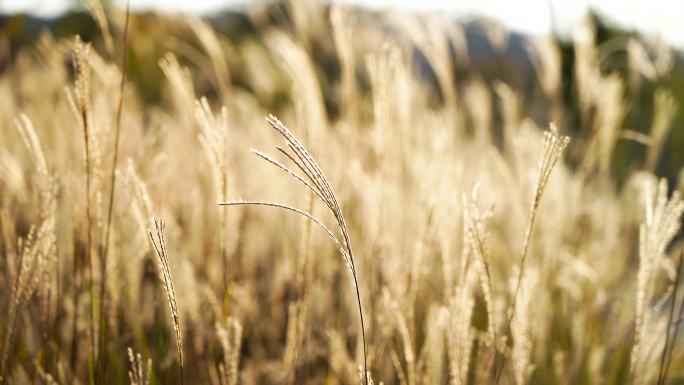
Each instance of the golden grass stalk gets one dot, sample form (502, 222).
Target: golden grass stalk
(409, 350)
(478, 100)
(586, 65)
(366, 378)
(47, 195)
(311, 116)
(521, 330)
(433, 42)
(142, 202)
(230, 337)
(307, 17)
(212, 46)
(214, 139)
(460, 335)
(342, 36)
(100, 367)
(665, 111)
(30, 139)
(609, 116)
(554, 146)
(96, 10)
(511, 106)
(180, 81)
(82, 91)
(309, 106)
(34, 254)
(476, 238)
(159, 246)
(662, 222)
(399, 321)
(385, 73)
(139, 373)
(669, 347)
(676, 323)
(296, 324)
(548, 67)
(298, 312)
(316, 182)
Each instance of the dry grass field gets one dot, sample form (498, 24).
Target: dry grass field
(398, 219)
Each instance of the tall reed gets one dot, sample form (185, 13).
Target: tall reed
(101, 366)
(671, 323)
(82, 90)
(316, 182)
(159, 245)
(214, 139)
(661, 223)
(554, 146)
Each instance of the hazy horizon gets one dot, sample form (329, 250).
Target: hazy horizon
(535, 17)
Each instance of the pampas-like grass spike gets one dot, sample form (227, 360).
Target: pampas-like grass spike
(230, 337)
(159, 246)
(34, 253)
(139, 373)
(314, 180)
(28, 135)
(460, 335)
(554, 146)
(476, 238)
(521, 329)
(214, 139)
(662, 222)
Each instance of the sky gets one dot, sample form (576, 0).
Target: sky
(651, 17)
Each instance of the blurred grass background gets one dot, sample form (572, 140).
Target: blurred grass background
(513, 65)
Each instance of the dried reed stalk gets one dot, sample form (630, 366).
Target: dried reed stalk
(100, 366)
(662, 222)
(342, 31)
(665, 107)
(47, 195)
(230, 337)
(82, 88)
(214, 139)
(667, 353)
(34, 253)
(318, 184)
(521, 330)
(475, 222)
(159, 246)
(209, 40)
(554, 146)
(139, 373)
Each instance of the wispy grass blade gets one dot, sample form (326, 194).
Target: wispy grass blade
(319, 185)
(159, 245)
(101, 365)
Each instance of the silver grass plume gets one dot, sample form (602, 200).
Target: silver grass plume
(159, 246)
(314, 179)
